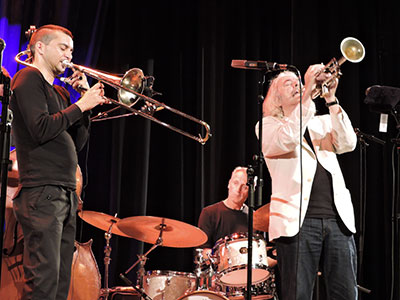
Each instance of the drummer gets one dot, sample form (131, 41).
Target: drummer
(228, 216)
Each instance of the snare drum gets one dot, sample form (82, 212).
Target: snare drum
(260, 291)
(231, 259)
(203, 295)
(168, 285)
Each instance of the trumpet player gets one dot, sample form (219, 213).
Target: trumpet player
(48, 131)
(311, 215)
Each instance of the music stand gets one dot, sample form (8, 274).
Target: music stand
(386, 99)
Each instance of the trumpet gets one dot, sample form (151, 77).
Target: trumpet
(353, 51)
(130, 88)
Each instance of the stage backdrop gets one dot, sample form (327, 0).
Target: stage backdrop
(134, 167)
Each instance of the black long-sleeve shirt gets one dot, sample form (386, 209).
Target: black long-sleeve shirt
(47, 130)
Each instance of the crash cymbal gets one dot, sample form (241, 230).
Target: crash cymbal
(175, 234)
(261, 218)
(101, 221)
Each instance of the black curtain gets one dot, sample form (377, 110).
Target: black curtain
(135, 167)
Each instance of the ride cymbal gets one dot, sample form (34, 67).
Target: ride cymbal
(175, 233)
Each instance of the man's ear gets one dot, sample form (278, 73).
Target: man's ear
(39, 47)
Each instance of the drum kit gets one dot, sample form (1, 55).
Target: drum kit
(221, 275)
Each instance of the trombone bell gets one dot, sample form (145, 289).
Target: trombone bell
(132, 80)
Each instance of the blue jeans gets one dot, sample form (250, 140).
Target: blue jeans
(326, 245)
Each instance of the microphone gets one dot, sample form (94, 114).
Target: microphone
(260, 65)
(2, 46)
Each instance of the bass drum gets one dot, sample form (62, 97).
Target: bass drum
(203, 295)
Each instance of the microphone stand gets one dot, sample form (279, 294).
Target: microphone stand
(395, 290)
(251, 171)
(250, 183)
(363, 193)
(5, 129)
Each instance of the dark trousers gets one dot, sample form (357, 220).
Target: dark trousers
(323, 242)
(47, 215)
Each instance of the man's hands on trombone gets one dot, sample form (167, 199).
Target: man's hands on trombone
(92, 97)
(79, 82)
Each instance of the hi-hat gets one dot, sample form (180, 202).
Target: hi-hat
(261, 218)
(174, 234)
(102, 221)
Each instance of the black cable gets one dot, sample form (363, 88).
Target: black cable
(301, 180)
(85, 179)
(394, 195)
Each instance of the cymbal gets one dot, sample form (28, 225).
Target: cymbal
(261, 218)
(176, 233)
(101, 221)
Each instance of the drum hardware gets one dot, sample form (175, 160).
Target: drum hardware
(107, 252)
(164, 232)
(109, 224)
(204, 270)
(142, 260)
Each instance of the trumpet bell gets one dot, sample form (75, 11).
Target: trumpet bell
(132, 80)
(352, 49)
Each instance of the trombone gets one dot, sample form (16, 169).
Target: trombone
(130, 88)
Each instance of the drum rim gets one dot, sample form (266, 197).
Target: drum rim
(237, 236)
(203, 291)
(257, 266)
(168, 273)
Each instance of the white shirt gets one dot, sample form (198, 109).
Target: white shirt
(330, 134)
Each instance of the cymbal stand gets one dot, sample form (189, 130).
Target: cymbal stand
(107, 252)
(142, 260)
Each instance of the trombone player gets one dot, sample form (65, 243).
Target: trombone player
(313, 228)
(48, 131)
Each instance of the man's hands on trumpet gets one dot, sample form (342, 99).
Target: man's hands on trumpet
(315, 75)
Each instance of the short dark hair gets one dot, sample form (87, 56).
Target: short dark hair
(45, 34)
